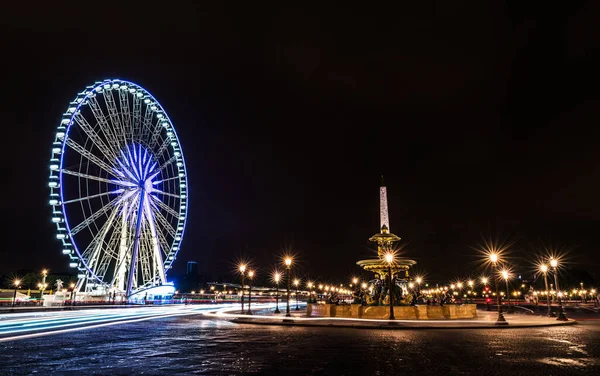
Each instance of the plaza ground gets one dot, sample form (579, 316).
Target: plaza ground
(195, 344)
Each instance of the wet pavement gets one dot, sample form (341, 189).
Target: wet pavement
(190, 345)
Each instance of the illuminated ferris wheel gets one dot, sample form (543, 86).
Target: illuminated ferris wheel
(118, 188)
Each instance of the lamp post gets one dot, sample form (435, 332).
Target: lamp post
(277, 277)
(470, 283)
(505, 276)
(459, 285)
(321, 293)
(363, 300)
(242, 272)
(16, 283)
(389, 258)
(561, 314)
(484, 281)
(72, 285)
(43, 284)
(296, 283)
(500, 320)
(250, 276)
(288, 265)
(310, 285)
(544, 270)
(418, 280)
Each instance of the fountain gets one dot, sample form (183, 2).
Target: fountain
(373, 302)
(385, 240)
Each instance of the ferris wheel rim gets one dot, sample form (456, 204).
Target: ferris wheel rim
(68, 228)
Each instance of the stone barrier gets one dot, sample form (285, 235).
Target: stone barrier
(418, 312)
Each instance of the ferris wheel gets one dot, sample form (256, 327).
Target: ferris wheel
(118, 188)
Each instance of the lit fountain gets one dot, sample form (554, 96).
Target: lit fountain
(376, 304)
(385, 243)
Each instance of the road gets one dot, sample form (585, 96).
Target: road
(179, 341)
(16, 326)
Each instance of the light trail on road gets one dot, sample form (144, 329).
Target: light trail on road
(14, 326)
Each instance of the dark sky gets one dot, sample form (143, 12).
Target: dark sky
(483, 117)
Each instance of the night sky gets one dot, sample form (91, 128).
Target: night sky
(483, 118)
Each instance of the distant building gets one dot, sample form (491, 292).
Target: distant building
(192, 268)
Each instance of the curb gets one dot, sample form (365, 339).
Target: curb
(398, 325)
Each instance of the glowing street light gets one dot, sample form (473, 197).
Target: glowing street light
(389, 258)
(310, 286)
(16, 283)
(296, 284)
(288, 265)
(561, 314)
(242, 269)
(43, 284)
(471, 284)
(277, 278)
(72, 286)
(250, 275)
(505, 275)
(500, 320)
(544, 270)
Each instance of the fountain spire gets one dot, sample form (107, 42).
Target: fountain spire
(383, 208)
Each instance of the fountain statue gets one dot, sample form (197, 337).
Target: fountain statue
(379, 287)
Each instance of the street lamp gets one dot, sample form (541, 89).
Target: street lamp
(389, 258)
(72, 286)
(288, 265)
(16, 283)
(44, 275)
(561, 314)
(500, 320)
(310, 285)
(544, 270)
(484, 282)
(505, 276)
(296, 283)
(242, 271)
(277, 277)
(471, 283)
(419, 280)
(459, 285)
(250, 275)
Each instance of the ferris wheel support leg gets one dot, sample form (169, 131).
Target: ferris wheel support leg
(136, 244)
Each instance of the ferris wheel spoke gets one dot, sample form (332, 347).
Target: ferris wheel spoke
(165, 207)
(156, 256)
(89, 156)
(92, 218)
(93, 259)
(125, 114)
(105, 127)
(166, 193)
(164, 223)
(91, 197)
(143, 261)
(96, 139)
(93, 250)
(108, 257)
(115, 119)
(97, 178)
(165, 165)
(163, 243)
(147, 124)
(156, 133)
(166, 143)
(164, 180)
